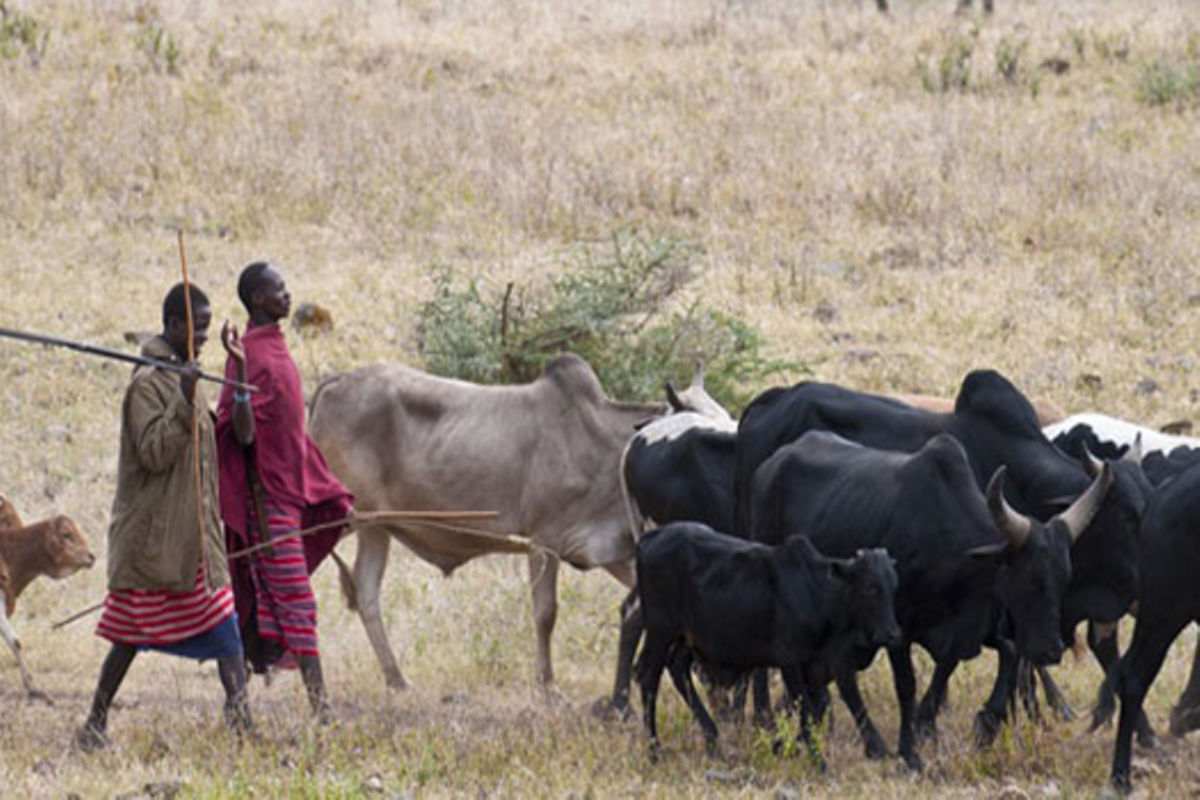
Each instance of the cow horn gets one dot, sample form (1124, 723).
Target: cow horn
(1091, 464)
(1080, 514)
(673, 398)
(698, 375)
(1134, 453)
(1009, 522)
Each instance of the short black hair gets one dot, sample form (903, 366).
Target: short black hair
(174, 304)
(249, 280)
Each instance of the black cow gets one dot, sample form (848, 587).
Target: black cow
(734, 606)
(996, 425)
(963, 561)
(1168, 601)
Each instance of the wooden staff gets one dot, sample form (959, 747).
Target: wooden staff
(360, 519)
(191, 354)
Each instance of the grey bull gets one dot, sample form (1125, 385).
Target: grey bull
(544, 455)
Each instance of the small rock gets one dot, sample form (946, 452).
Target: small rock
(1050, 790)
(861, 354)
(44, 768)
(1179, 427)
(1194, 299)
(825, 312)
(833, 269)
(164, 790)
(787, 791)
(1056, 65)
(719, 776)
(1142, 769)
(1012, 792)
(455, 698)
(1146, 386)
(373, 784)
(1090, 381)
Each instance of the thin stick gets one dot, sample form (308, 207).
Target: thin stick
(359, 520)
(116, 355)
(191, 354)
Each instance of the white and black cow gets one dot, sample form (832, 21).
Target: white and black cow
(1161, 455)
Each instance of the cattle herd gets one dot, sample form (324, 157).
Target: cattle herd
(823, 525)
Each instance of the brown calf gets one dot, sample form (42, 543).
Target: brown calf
(53, 547)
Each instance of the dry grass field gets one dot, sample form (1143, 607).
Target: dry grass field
(893, 200)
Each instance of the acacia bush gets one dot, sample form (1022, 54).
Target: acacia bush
(622, 305)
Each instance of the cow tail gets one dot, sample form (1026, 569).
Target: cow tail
(316, 395)
(631, 509)
(1106, 698)
(346, 579)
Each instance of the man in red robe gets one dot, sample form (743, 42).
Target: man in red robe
(274, 482)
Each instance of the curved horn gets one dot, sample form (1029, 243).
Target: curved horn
(1011, 523)
(1134, 453)
(698, 375)
(673, 398)
(1091, 464)
(1080, 514)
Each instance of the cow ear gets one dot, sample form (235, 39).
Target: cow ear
(842, 568)
(988, 550)
(673, 398)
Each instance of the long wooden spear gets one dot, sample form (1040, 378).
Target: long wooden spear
(115, 355)
(191, 355)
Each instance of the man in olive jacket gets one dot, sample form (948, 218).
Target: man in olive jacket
(168, 578)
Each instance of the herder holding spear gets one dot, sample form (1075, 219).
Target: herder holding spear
(168, 579)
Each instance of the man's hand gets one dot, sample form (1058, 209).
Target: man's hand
(187, 380)
(232, 342)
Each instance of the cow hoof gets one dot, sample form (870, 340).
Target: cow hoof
(985, 728)
(653, 750)
(710, 745)
(875, 749)
(612, 708)
(397, 683)
(90, 739)
(913, 761)
(927, 730)
(1147, 740)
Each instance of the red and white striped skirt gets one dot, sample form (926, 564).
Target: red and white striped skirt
(158, 617)
(285, 606)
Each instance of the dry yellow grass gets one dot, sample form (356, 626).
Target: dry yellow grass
(891, 234)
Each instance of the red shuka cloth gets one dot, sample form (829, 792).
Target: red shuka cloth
(292, 470)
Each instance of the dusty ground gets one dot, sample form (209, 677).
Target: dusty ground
(878, 219)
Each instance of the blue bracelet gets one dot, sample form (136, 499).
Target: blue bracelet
(241, 395)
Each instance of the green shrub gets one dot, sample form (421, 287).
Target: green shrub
(22, 33)
(617, 305)
(1008, 58)
(1161, 83)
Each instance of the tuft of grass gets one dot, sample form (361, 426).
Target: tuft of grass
(1162, 83)
(21, 32)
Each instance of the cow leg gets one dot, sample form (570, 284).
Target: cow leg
(543, 578)
(679, 664)
(631, 632)
(847, 683)
(931, 703)
(369, 564)
(988, 720)
(1136, 672)
(14, 644)
(906, 693)
(1055, 699)
(763, 717)
(814, 702)
(1102, 641)
(1185, 715)
(650, 668)
(1027, 690)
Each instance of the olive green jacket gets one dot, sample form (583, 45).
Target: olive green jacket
(154, 539)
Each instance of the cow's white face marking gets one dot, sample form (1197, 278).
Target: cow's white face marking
(675, 425)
